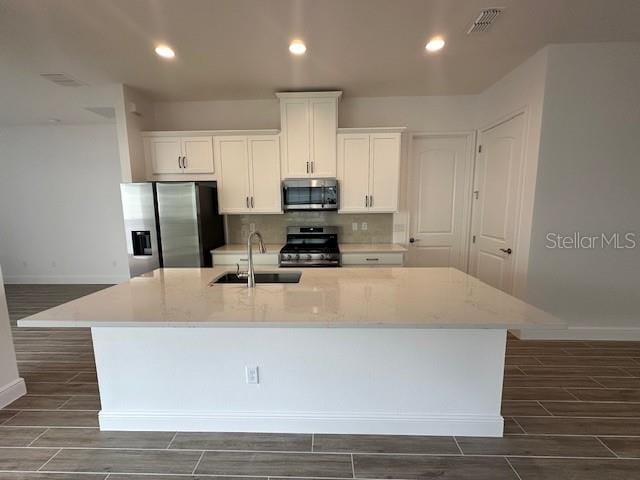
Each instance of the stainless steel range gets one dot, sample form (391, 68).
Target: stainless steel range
(311, 247)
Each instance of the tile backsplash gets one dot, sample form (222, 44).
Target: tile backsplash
(273, 227)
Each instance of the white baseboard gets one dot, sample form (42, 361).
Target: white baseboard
(461, 425)
(65, 279)
(580, 333)
(12, 391)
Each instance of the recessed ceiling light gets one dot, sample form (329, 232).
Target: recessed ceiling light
(435, 44)
(297, 47)
(165, 51)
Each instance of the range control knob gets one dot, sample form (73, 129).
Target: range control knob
(309, 257)
(297, 257)
(322, 257)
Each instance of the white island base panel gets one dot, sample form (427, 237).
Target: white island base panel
(311, 380)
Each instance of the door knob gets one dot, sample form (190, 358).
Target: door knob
(413, 240)
(508, 251)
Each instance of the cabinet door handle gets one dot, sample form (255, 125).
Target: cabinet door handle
(307, 167)
(184, 162)
(371, 200)
(372, 259)
(313, 167)
(246, 199)
(179, 164)
(252, 202)
(366, 200)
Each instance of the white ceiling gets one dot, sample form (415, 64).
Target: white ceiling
(229, 49)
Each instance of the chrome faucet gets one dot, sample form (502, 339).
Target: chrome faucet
(250, 274)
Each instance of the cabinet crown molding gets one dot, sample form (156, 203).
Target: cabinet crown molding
(331, 94)
(373, 130)
(208, 133)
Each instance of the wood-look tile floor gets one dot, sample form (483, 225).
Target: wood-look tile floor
(572, 411)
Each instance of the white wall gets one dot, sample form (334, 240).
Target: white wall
(588, 182)
(61, 216)
(11, 385)
(417, 113)
(520, 90)
(134, 114)
(217, 115)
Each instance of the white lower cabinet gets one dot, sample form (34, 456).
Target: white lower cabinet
(233, 259)
(372, 259)
(248, 174)
(170, 155)
(369, 172)
(395, 259)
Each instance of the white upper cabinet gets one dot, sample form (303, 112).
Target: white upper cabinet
(309, 124)
(324, 125)
(197, 154)
(353, 172)
(384, 172)
(264, 167)
(248, 174)
(369, 172)
(166, 154)
(171, 155)
(233, 174)
(296, 149)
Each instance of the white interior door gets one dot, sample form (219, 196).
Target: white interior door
(264, 155)
(496, 208)
(441, 179)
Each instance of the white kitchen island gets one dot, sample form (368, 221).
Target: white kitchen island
(346, 350)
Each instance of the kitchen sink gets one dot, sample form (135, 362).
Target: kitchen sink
(261, 277)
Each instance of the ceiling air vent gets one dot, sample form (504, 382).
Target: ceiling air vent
(485, 20)
(62, 79)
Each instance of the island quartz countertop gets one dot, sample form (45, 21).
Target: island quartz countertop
(327, 297)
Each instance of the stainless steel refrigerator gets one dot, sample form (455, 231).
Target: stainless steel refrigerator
(170, 224)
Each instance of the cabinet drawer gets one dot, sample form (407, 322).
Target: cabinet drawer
(267, 259)
(372, 259)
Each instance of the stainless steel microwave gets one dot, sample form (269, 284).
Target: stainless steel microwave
(310, 194)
